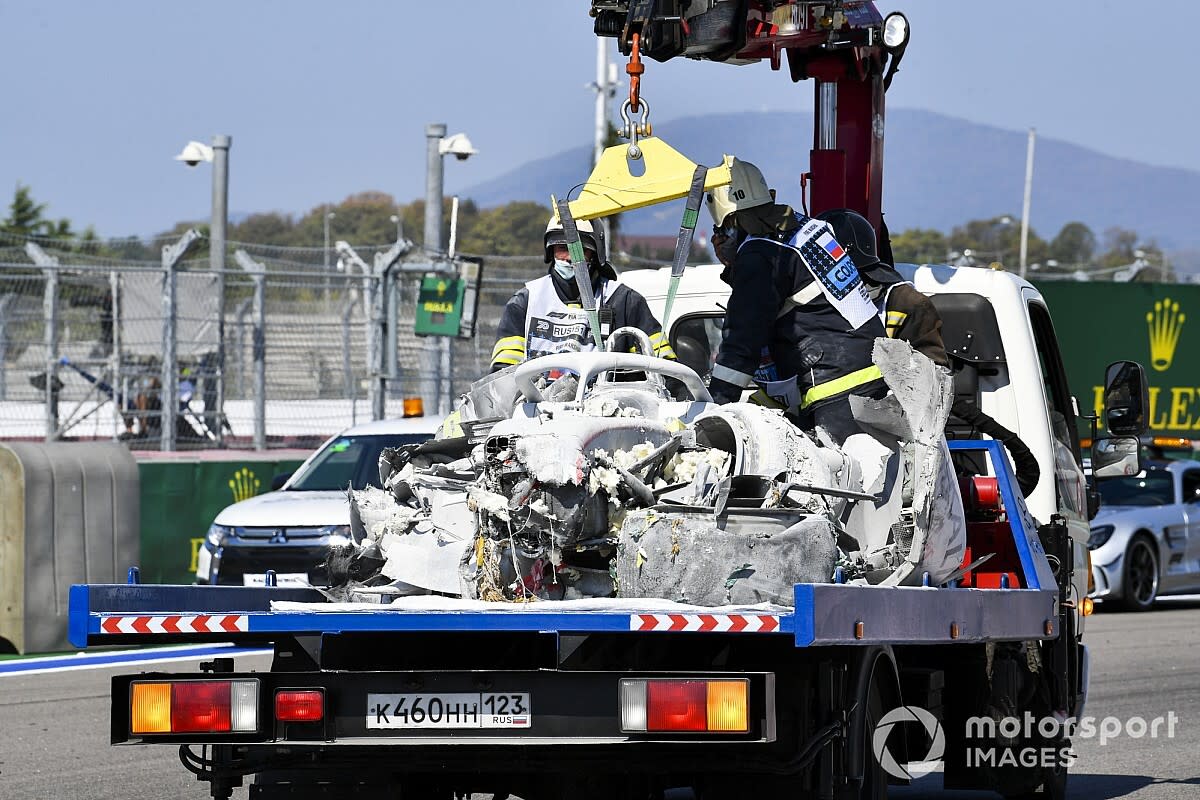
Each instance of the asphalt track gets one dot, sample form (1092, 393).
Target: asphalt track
(55, 724)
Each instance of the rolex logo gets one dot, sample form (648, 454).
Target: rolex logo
(244, 485)
(1165, 324)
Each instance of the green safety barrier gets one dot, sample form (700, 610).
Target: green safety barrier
(1151, 323)
(181, 498)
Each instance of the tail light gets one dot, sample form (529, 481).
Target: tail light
(300, 705)
(685, 706)
(165, 707)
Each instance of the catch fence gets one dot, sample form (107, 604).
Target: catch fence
(85, 330)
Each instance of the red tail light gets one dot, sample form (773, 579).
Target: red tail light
(677, 705)
(200, 707)
(168, 707)
(300, 705)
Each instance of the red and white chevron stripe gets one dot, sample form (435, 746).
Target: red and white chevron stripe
(704, 623)
(176, 623)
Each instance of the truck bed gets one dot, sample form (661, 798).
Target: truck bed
(822, 614)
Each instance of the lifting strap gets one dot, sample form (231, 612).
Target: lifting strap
(583, 276)
(683, 244)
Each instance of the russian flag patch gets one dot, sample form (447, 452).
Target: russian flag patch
(832, 247)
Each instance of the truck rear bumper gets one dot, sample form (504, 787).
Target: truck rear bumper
(429, 710)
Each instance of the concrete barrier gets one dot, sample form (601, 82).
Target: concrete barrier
(69, 513)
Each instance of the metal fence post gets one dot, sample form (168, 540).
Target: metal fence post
(49, 265)
(6, 301)
(242, 310)
(379, 356)
(391, 341)
(50, 305)
(258, 274)
(114, 357)
(347, 367)
(386, 333)
(168, 396)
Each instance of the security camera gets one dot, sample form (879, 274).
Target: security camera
(195, 152)
(458, 146)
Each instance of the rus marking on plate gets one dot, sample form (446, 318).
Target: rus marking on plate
(453, 710)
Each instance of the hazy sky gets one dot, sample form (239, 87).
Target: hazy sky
(325, 99)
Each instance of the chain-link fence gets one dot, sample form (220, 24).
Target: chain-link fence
(85, 329)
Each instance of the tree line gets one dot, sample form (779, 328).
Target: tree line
(516, 229)
(1075, 248)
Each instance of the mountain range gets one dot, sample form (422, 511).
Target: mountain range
(940, 172)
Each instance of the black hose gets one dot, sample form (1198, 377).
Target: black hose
(1028, 471)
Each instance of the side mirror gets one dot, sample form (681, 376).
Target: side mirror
(1126, 398)
(1115, 458)
(279, 480)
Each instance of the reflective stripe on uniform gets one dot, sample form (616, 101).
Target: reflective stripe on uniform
(662, 346)
(513, 343)
(895, 319)
(801, 298)
(839, 385)
(508, 358)
(723, 373)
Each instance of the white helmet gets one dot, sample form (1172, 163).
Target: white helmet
(747, 189)
(556, 235)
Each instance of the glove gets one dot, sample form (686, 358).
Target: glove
(723, 392)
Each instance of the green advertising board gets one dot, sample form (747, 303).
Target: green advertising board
(180, 499)
(1098, 323)
(439, 306)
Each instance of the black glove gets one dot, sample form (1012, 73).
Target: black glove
(723, 392)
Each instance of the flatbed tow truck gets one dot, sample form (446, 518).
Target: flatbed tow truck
(625, 697)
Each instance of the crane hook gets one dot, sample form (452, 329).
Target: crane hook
(634, 69)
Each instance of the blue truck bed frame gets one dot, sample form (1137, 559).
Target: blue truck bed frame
(822, 614)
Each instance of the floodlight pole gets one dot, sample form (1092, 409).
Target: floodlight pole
(214, 417)
(1028, 198)
(432, 379)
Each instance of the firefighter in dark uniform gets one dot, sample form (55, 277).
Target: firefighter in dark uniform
(909, 315)
(906, 313)
(797, 299)
(545, 315)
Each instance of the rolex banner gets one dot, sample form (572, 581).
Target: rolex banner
(1155, 324)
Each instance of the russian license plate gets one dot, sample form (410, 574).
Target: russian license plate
(450, 710)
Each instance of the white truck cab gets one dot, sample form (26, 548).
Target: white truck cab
(1000, 339)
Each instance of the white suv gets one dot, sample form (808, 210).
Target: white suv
(292, 529)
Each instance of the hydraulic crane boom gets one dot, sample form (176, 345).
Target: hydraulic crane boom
(849, 50)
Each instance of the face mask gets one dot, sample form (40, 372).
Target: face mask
(565, 269)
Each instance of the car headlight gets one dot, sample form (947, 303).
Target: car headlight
(339, 535)
(217, 534)
(1100, 536)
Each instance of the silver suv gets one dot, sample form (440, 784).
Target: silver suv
(291, 530)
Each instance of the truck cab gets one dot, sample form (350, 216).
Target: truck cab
(1005, 358)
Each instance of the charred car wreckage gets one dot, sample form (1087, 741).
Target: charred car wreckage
(582, 475)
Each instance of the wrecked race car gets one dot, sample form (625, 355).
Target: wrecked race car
(583, 475)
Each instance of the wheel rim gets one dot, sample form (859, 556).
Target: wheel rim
(1143, 573)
